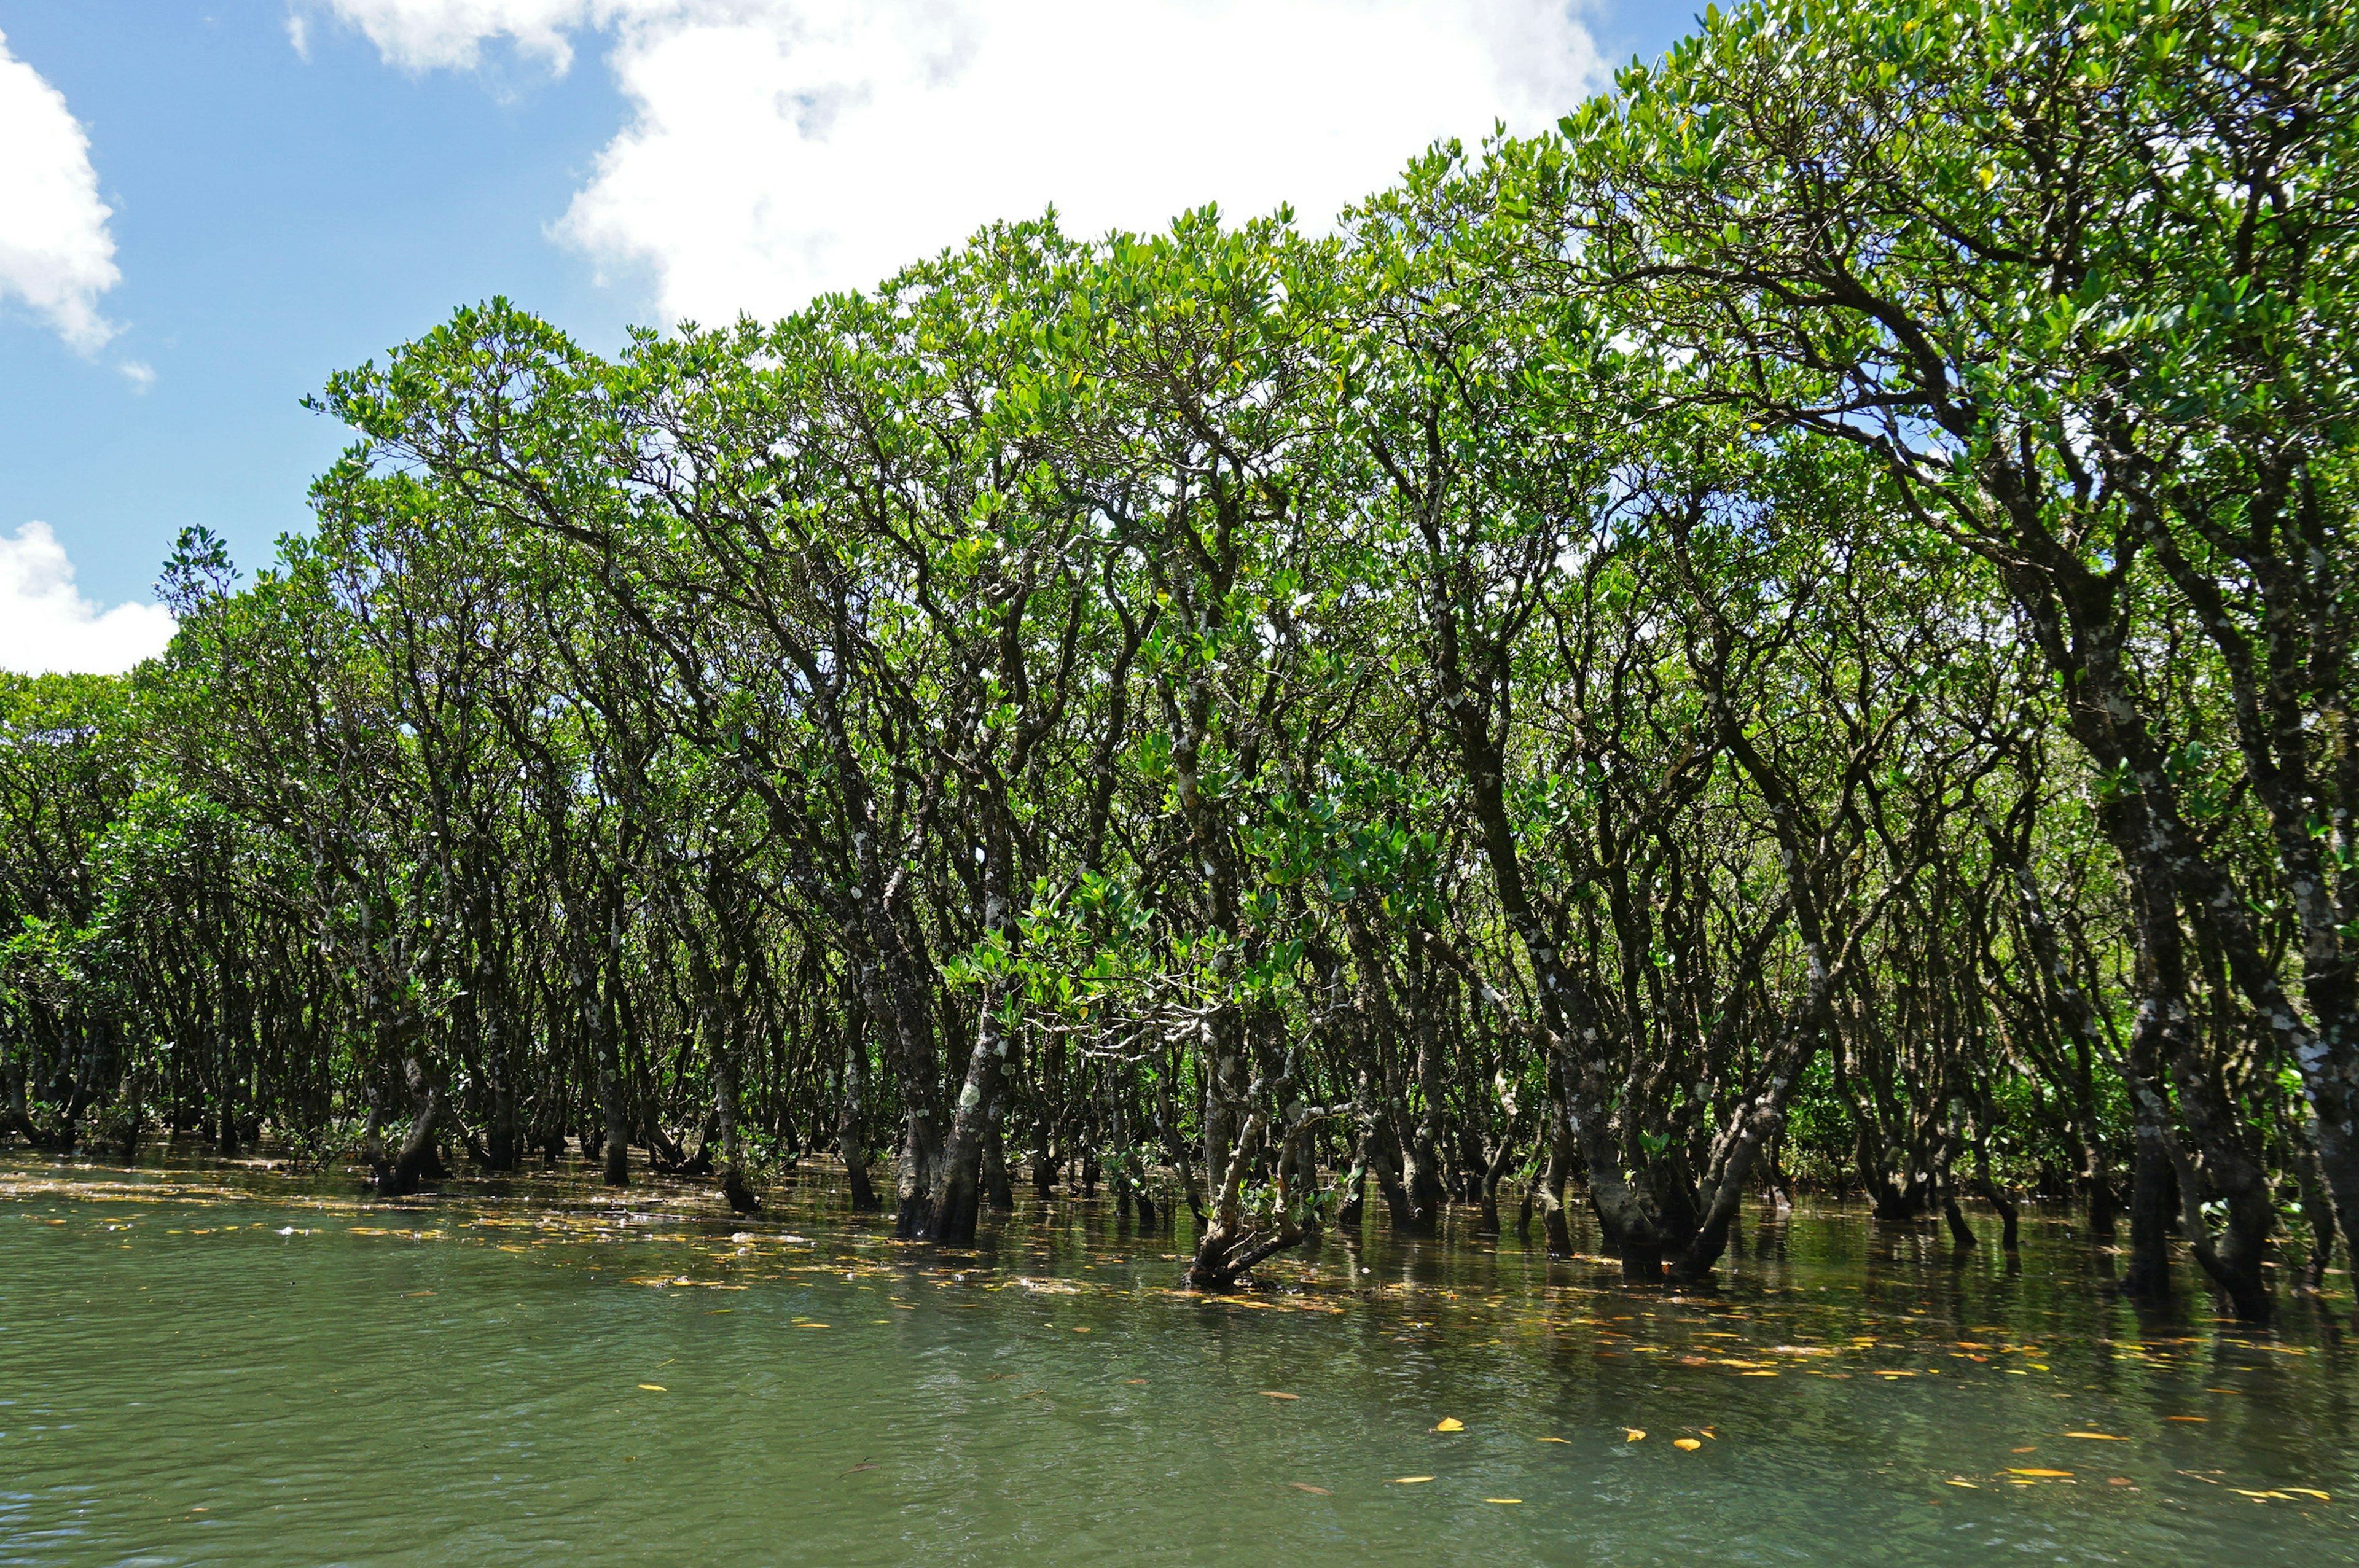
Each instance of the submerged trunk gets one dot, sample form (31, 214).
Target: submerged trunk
(851, 1114)
(599, 1007)
(401, 1174)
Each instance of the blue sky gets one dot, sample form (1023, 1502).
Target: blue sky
(291, 186)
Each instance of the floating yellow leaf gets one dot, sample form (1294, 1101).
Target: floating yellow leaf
(2017, 1470)
(1689, 1443)
(1274, 1394)
(1967, 1485)
(1314, 1491)
(1631, 1434)
(2187, 1418)
(2099, 1436)
(655, 1387)
(1407, 1480)
(1503, 1499)
(2311, 1492)
(1449, 1424)
(1556, 1439)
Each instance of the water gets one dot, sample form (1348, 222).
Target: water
(219, 1366)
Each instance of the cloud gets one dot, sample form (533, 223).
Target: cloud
(45, 624)
(138, 372)
(425, 35)
(56, 255)
(777, 149)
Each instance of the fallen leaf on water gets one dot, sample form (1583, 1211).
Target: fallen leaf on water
(1407, 1480)
(1967, 1485)
(655, 1387)
(2119, 1481)
(1314, 1491)
(2031, 1450)
(1449, 1424)
(1125, 1379)
(2311, 1492)
(2187, 1418)
(2099, 1436)
(1503, 1499)
(2017, 1470)
(1556, 1439)
(1687, 1443)
(1274, 1394)
(1631, 1434)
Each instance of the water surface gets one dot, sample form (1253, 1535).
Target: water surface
(220, 1365)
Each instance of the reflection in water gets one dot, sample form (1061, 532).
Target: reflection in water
(220, 1365)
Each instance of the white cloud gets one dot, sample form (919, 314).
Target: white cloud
(422, 35)
(138, 372)
(56, 255)
(46, 623)
(780, 148)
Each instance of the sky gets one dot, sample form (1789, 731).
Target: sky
(208, 206)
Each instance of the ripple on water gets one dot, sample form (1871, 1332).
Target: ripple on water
(223, 1364)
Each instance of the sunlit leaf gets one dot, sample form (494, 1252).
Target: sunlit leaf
(1632, 1434)
(1407, 1480)
(1687, 1443)
(1449, 1424)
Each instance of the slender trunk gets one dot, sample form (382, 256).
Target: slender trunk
(597, 1003)
(851, 1112)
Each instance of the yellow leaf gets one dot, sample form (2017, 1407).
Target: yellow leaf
(2187, 1418)
(655, 1387)
(1407, 1480)
(1449, 1424)
(1967, 1485)
(2017, 1470)
(1273, 1394)
(1686, 1443)
(2311, 1492)
(2100, 1436)
(1556, 1439)
(1631, 1434)
(1503, 1499)
(1314, 1491)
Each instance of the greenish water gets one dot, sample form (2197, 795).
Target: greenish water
(220, 1366)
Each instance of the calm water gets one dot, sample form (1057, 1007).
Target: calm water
(220, 1366)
